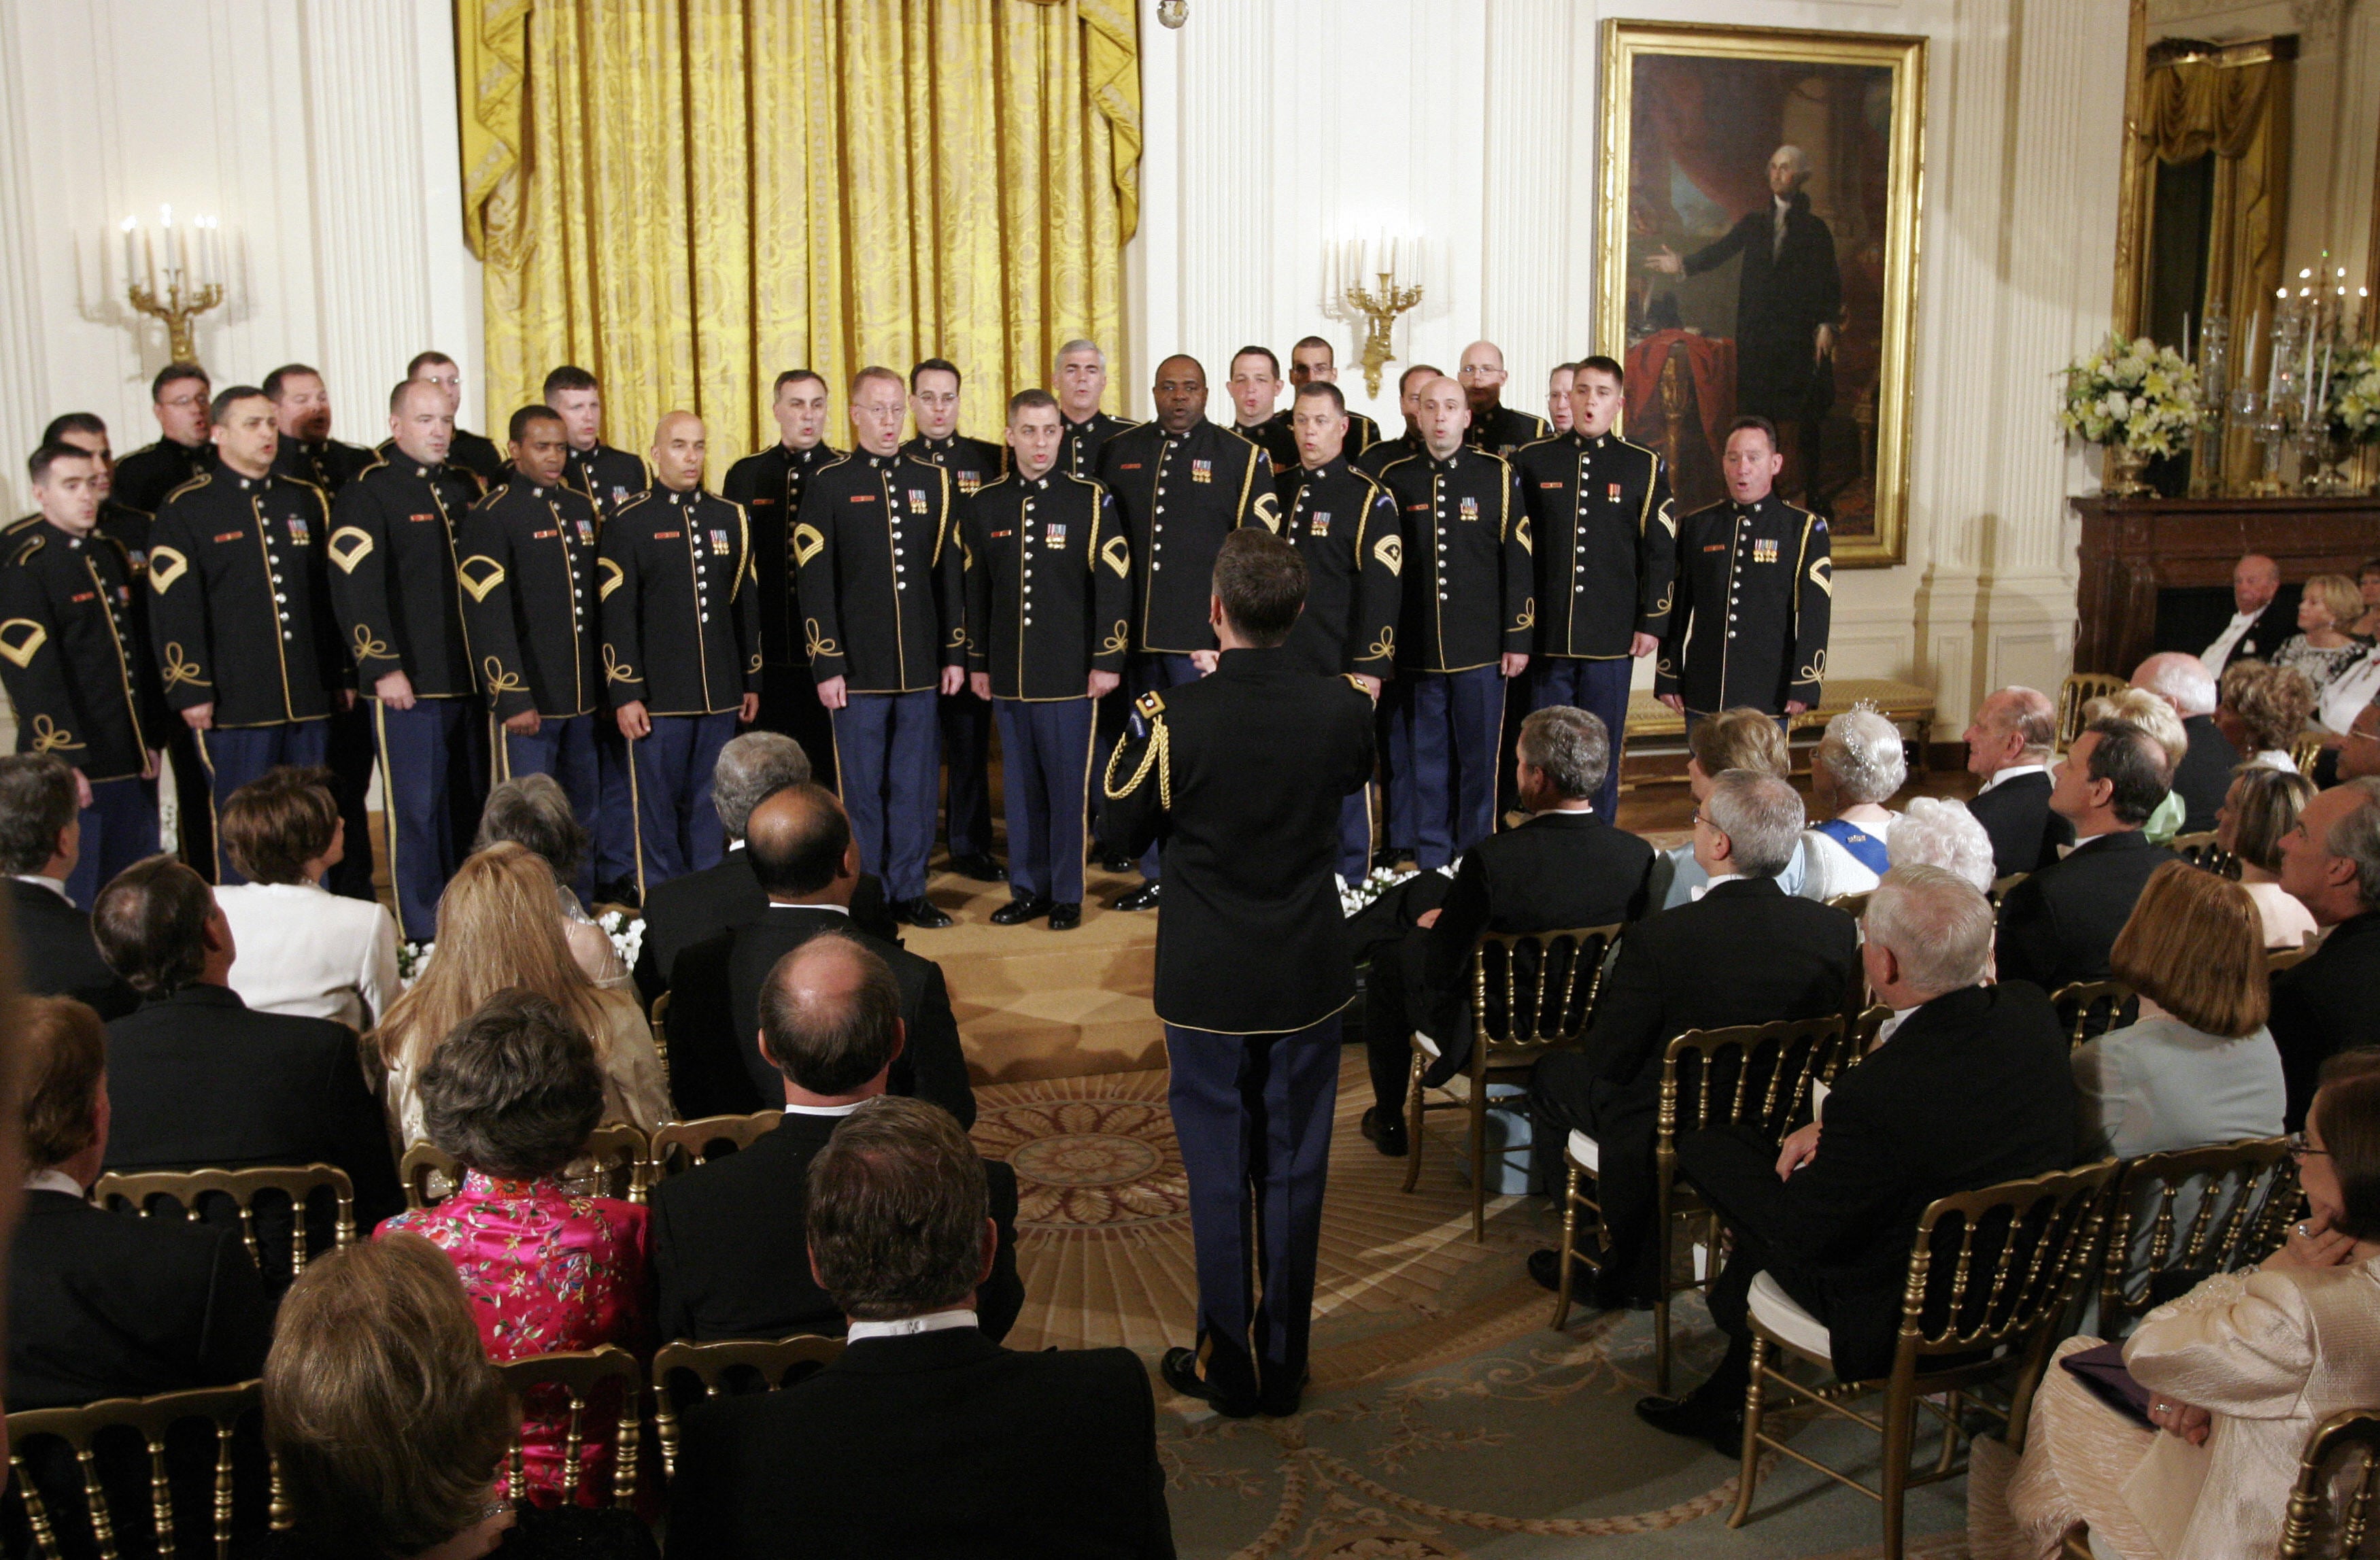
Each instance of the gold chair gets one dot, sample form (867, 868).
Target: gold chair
(772, 1361)
(2246, 1194)
(681, 1145)
(2202, 850)
(422, 1161)
(153, 1418)
(2307, 749)
(2078, 689)
(1531, 992)
(618, 1149)
(579, 1377)
(1853, 905)
(2000, 887)
(2277, 959)
(659, 1020)
(2321, 1474)
(1998, 1298)
(2088, 1009)
(297, 1182)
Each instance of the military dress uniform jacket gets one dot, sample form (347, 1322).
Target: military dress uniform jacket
(1505, 432)
(1048, 581)
(1191, 492)
(1467, 577)
(972, 463)
(330, 465)
(1362, 433)
(608, 477)
(1606, 534)
(144, 478)
(681, 613)
(882, 602)
(527, 573)
(1377, 458)
(769, 485)
(73, 654)
(393, 581)
(470, 452)
(1346, 526)
(239, 607)
(1079, 443)
(1748, 621)
(1273, 437)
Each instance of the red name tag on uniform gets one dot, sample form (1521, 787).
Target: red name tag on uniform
(419, 518)
(1549, 484)
(1719, 547)
(544, 535)
(863, 498)
(229, 535)
(1000, 535)
(1127, 464)
(1416, 508)
(667, 535)
(84, 596)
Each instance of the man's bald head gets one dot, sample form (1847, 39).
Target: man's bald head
(1481, 370)
(798, 841)
(1442, 412)
(2181, 679)
(2255, 580)
(421, 421)
(680, 446)
(831, 1019)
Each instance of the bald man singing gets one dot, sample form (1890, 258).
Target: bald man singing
(681, 614)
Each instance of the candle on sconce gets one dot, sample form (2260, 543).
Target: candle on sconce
(131, 255)
(148, 259)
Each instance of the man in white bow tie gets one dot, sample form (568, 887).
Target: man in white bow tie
(2260, 622)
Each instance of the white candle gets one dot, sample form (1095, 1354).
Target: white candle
(148, 259)
(2189, 352)
(2248, 362)
(2325, 380)
(131, 259)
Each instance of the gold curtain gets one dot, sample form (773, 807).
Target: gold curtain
(685, 197)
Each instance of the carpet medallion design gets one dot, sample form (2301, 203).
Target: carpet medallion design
(1085, 1165)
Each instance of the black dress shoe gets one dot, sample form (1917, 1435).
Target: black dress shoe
(1386, 1132)
(1114, 861)
(979, 866)
(1064, 915)
(1281, 1405)
(1703, 1415)
(619, 891)
(1141, 898)
(920, 912)
(1179, 1369)
(1019, 910)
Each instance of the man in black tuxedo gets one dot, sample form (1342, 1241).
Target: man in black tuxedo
(2058, 925)
(1968, 1086)
(1675, 973)
(197, 1080)
(1566, 866)
(2263, 618)
(728, 1236)
(2331, 863)
(2009, 749)
(2203, 777)
(807, 864)
(926, 1437)
(40, 837)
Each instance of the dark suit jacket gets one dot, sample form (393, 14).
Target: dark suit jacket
(731, 1247)
(697, 906)
(942, 1443)
(56, 955)
(2026, 834)
(2204, 773)
(715, 1014)
(2326, 1005)
(2058, 925)
(1558, 870)
(2270, 632)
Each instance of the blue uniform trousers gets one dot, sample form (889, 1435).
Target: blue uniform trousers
(966, 753)
(677, 833)
(1396, 763)
(1152, 672)
(1355, 834)
(564, 748)
(119, 827)
(434, 774)
(237, 755)
(1252, 1114)
(615, 809)
(1450, 728)
(1600, 688)
(884, 764)
(1045, 747)
(348, 749)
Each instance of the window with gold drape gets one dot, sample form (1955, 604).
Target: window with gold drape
(685, 197)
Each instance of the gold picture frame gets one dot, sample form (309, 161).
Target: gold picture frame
(1708, 92)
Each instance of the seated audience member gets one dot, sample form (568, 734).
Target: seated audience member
(1662, 985)
(2239, 1371)
(1566, 866)
(39, 835)
(2359, 751)
(2323, 649)
(497, 928)
(2200, 779)
(197, 1081)
(2262, 806)
(1739, 738)
(2139, 707)
(802, 854)
(2056, 926)
(1857, 768)
(1937, 832)
(533, 811)
(700, 904)
(389, 1426)
(302, 949)
(2330, 863)
(1968, 1086)
(2274, 705)
(512, 1093)
(2367, 590)
(926, 1437)
(2009, 747)
(728, 1236)
(2263, 618)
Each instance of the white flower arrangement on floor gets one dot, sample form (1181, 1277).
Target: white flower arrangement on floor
(2355, 394)
(412, 958)
(1355, 896)
(626, 929)
(2137, 395)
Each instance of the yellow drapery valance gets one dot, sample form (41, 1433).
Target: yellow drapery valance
(686, 196)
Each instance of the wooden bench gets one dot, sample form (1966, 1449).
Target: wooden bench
(1652, 724)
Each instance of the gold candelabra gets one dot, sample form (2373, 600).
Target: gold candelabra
(177, 309)
(1381, 310)
(188, 282)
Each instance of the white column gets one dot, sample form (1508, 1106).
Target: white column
(23, 343)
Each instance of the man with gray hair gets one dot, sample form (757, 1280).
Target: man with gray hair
(1604, 1098)
(2203, 776)
(2009, 747)
(1079, 378)
(1968, 1086)
(2330, 863)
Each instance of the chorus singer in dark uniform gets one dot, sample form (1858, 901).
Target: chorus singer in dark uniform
(1254, 385)
(302, 410)
(769, 485)
(475, 453)
(1375, 461)
(184, 446)
(1755, 589)
(1082, 379)
(1495, 427)
(1313, 361)
(1240, 776)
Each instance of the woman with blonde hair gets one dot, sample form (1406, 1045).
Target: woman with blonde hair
(1738, 738)
(2324, 647)
(497, 928)
(2262, 805)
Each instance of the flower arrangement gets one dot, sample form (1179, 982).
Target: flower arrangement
(1354, 896)
(2138, 397)
(412, 958)
(626, 929)
(2355, 394)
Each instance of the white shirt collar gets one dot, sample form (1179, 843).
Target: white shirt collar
(2080, 841)
(1884, 1031)
(2219, 652)
(2013, 772)
(735, 845)
(53, 884)
(839, 909)
(907, 1326)
(1702, 888)
(53, 1179)
(823, 1110)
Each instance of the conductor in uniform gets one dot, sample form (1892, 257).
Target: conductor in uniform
(1043, 657)
(769, 485)
(885, 623)
(527, 555)
(393, 583)
(1755, 588)
(1606, 533)
(1181, 484)
(1240, 774)
(1082, 375)
(1464, 629)
(681, 646)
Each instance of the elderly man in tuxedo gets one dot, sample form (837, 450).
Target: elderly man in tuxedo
(2008, 745)
(2059, 925)
(2266, 616)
